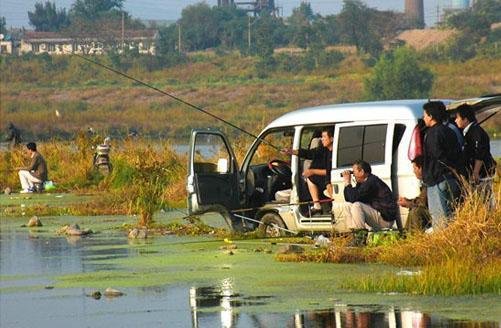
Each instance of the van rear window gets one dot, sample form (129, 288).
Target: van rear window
(361, 142)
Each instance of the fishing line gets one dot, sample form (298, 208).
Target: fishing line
(200, 109)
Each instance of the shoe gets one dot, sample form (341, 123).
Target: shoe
(429, 231)
(314, 211)
(26, 191)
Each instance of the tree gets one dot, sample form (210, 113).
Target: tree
(91, 10)
(398, 75)
(355, 28)
(3, 24)
(300, 23)
(199, 27)
(46, 17)
(232, 29)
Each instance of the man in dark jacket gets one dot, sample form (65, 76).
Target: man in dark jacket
(36, 172)
(373, 204)
(441, 164)
(13, 135)
(476, 154)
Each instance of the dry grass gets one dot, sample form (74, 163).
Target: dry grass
(224, 85)
(464, 258)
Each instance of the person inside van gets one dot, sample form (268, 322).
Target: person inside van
(476, 155)
(372, 202)
(419, 217)
(440, 166)
(317, 175)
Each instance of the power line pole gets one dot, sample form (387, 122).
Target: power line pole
(249, 34)
(123, 31)
(179, 37)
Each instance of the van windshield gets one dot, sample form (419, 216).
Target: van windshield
(265, 151)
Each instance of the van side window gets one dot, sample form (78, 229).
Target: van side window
(361, 142)
(211, 155)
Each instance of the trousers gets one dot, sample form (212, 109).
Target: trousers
(27, 179)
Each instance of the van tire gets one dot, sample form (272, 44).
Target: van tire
(269, 224)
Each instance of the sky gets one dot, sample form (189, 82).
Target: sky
(16, 11)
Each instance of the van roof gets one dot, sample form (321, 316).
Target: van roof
(363, 111)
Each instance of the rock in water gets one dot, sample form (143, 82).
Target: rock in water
(138, 234)
(110, 292)
(74, 230)
(34, 222)
(96, 295)
(290, 249)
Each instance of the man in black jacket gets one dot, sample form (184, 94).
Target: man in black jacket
(441, 164)
(476, 155)
(373, 204)
(13, 136)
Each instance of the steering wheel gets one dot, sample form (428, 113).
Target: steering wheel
(280, 168)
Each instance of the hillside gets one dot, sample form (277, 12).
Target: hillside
(226, 86)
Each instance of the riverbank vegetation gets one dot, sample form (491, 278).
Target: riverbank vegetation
(144, 179)
(464, 258)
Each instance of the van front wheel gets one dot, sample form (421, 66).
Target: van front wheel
(272, 225)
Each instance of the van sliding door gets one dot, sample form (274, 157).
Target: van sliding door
(369, 141)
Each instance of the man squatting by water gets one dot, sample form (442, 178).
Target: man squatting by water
(36, 172)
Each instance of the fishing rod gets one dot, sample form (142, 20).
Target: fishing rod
(198, 108)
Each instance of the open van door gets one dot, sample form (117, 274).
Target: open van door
(369, 141)
(484, 107)
(213, 175)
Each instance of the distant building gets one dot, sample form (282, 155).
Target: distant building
(255, 7)
(414, 10)
(54, 43)
(6, 44)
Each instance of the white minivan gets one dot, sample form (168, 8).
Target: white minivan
(268, 192)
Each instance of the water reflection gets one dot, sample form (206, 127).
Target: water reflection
(374, 316)
(225, 301)
(37, 256)
(222, 297)
(31, 253)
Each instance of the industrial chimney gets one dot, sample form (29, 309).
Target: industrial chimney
(414, 10)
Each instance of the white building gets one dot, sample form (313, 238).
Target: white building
(58, 44)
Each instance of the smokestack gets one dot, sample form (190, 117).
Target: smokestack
(414, 10)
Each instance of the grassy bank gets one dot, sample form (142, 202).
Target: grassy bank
(463, 259)
(70, 167)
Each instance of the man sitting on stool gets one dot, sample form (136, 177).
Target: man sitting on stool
(373, 205)
(36, 173)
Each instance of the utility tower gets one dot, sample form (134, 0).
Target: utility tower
(255, 7)
(414, 10)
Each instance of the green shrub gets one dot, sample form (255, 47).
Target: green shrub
(398, 75)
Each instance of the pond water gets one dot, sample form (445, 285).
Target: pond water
(33, 264)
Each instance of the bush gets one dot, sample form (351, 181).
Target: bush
(398, 75)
